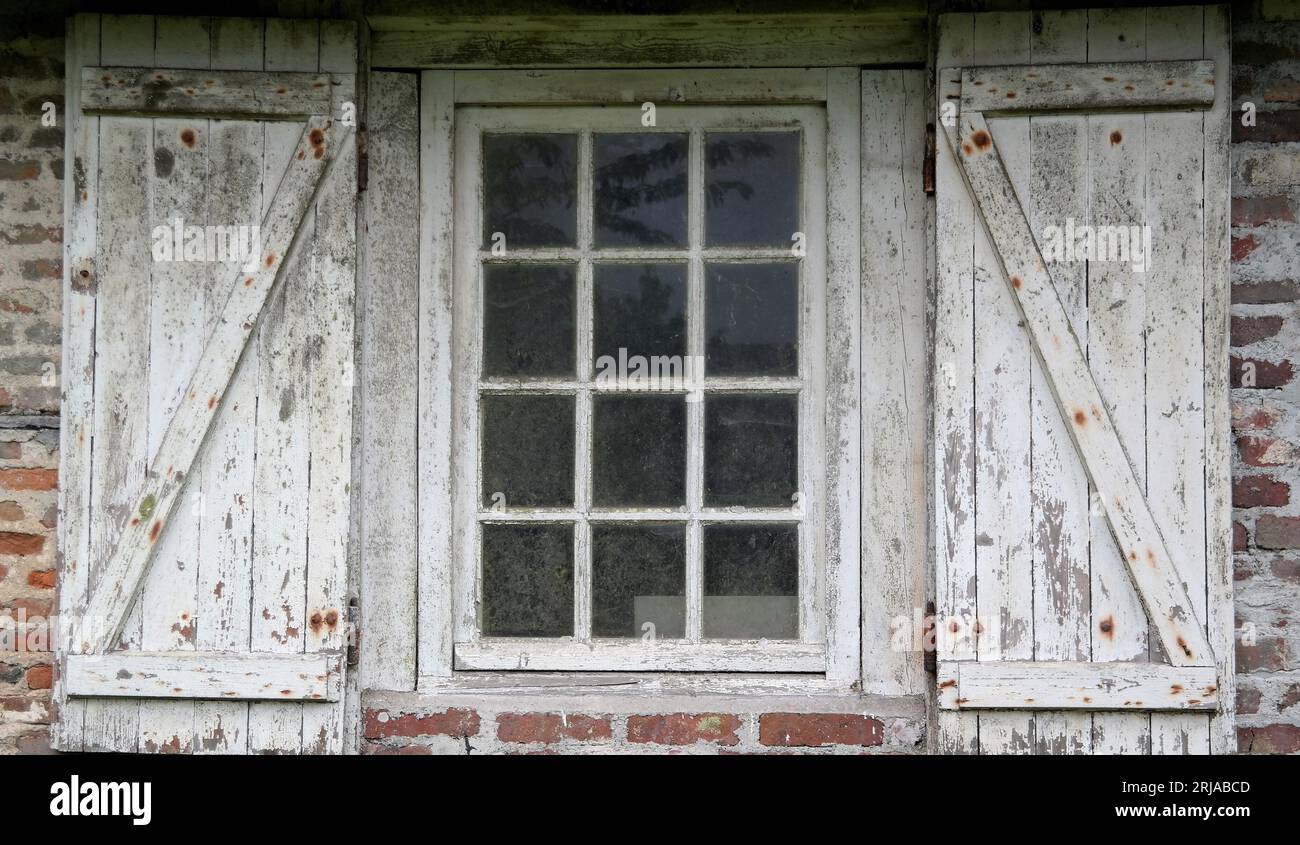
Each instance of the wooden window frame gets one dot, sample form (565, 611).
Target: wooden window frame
(834, 661)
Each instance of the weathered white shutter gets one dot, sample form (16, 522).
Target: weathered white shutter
(1083, 543)
(207, 404)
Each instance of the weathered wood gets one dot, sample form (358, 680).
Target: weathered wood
(170, 91)
(881, 42)
(580, 87)
(212, 675)
(507, 15)
(1127, 86)
(894, 376)
(149, 511)
(1060, 685)
(656, 656)
(1132, 523)
(437, 426)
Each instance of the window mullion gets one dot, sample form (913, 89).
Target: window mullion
(695, 400)
(583, 411)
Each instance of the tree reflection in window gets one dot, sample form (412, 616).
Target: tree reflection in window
(529, 188)
(751, 188)
(640, 189)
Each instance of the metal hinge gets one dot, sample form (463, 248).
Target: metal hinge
(363, 159)
(927, 168)
(929, 643)
(354, 630)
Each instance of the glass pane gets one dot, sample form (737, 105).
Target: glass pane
(751, 188)
(752, 319)
(528, 319)
(751, 581)
(638, 451)
(640, 189)
(528, 580)
(527, 451)
(640, 325)
(638, 579)
(751, 450)
(529, 186)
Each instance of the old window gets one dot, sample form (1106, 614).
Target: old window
(640, 337)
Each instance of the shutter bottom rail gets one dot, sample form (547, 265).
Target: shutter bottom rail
(1057, 685)
(223, 676)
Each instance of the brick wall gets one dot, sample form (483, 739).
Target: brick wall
(31, 234)
(1266, 416)
(1266, 423)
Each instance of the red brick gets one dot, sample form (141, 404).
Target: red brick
(552, 727)
(1247, 701)
(44, 579)
(1240, 540)
(15, 543)
(1268, 375)
(1265, 293)
(1288, 569)
(11, 512)
(451, 722)
(29, 479)
(1248, 330)
(1277, 532)
(42, 268)
(1263, 451)
(1256, 211)
(1252, 417)
(1270, 127)
(684, 728)
(1268, 654)
(32, 607)
(1269, 739)
(815, 730)
(4, 570)
(1290, 697)
(1260, 491)
(395, 750)
(1243, 247)
(40, 677)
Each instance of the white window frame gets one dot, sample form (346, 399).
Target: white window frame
(826, 106)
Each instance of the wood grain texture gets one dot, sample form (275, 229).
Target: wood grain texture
(189, 675)
(210, 93)
(1053, 685)
(1098, 86)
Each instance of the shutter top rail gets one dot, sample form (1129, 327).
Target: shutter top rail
(282, 95)
(1121, 86)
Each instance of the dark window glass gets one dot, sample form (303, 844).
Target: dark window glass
(640, 189)
(638, 451)
(640, 309)
(751, 188)
(528, 320)
(527, 451)
(751, 581)
(752, 319)
(529, 186)
(638, 578)
(528, 580)
(751, 450)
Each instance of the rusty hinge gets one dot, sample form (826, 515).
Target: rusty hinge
(354, 630)
(363, 158)
(927, 168)
(929, 645)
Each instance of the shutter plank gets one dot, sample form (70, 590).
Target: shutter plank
(280, 475)
(179, 178)
(1116, 356)
(226, 529)
(954, 399)
(1095, 87)
(1003, 521)
(163, 90)
(1058, 484)
(190, 675)
(122, 343)
(1174, 347)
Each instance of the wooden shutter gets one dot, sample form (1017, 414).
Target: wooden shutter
(1081, 409)
(207, 403)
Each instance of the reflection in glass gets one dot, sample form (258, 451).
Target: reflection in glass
(751, 450)
(751, 319)
(638, 579)
(527, 451)
(751, 188)
(529, 186)
(638, 451)
(751, 581)
(640, 189)
(528, 580)
(639, 308)
(528, 320)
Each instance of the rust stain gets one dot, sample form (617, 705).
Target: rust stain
(982, 139)
(286, 692)
(282, 90)
(1108, 79)
(967, 149)
(315, 623)
(1129, 88)
(332, 619)
(1080, 418)
(1183, 645)
(1096, 413)
(1151, 557)
(947, 684)
(248, 282)
(153, 532)
(954, 626)
(187, 138)
(317, 138)
(1011, 95)
(1015, 282)
(1169, 82)
(135, 522)
(212, 401)
(1133, 556)
(1116, 137)
(1107, 627)
(1175, 689)
(270, 259)
(1087, 700)
(1193, 701)
(1211, 690)
(219, 589)
(301, 155)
